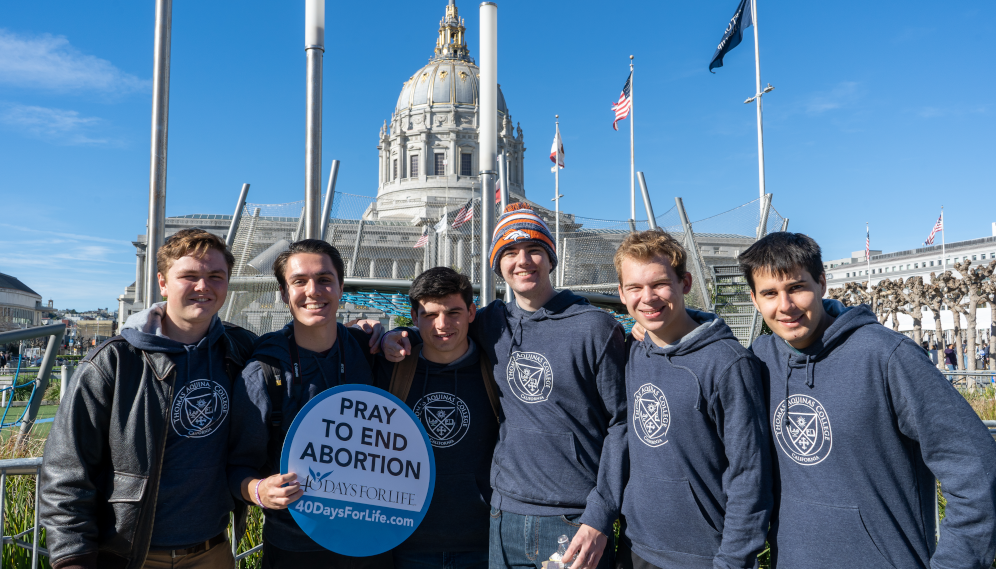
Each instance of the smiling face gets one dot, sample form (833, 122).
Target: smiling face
(655, 297)
(195, 287)
(443, 324)
(526, 268)
(792, 305)
(313, 291)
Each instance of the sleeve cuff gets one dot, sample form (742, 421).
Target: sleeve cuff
(85, 561)
(597, 515)
(238, 474)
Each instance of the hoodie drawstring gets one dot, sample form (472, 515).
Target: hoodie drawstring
(698, 384)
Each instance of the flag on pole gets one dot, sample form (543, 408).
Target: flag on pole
(557, 151)
(465, 214)
(939, 226)
(867, 243)
(622, 106)
(734, 34)
(497, 192)
(424, 239)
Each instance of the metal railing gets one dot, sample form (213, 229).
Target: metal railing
(971, 379)
(55, 332)
(21, 467)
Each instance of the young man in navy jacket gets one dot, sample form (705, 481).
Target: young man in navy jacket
(862, 423)
(559, 363)
(699, 488)
(447, 382)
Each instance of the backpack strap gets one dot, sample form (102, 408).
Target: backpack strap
(490, 386)
(403, 375)
(273, 377)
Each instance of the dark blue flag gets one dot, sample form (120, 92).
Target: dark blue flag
(741, 20)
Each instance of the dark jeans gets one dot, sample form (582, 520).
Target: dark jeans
(460, 560)
(528, 541)
(276, 558)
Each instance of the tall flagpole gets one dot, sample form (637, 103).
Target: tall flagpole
(632, 159)
(556, 191)
(944, 256)
(758, 97)
(868, 255)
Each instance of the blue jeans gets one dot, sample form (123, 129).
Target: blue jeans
(528, 541)
(461, 560)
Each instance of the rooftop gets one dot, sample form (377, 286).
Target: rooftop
(9, 282)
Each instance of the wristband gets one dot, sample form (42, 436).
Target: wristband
(256, 491)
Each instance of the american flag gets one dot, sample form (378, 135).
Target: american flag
(424, 239)
(623, 105)
(939, 226)
(867, 243)
(557, 151)
(465, 214)
(498, 193)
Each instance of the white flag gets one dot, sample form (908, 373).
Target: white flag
(557, 151)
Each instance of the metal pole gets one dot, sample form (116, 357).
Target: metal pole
(632, 148)
(868, 258)
(944, 255)
(356, 250)
(157, 169)
(34, 536)
(693, 254)
(329, 198)
(54, 341)
(503, 179)
(314, 47)
(762, 226)
(651, 220)
(556, 191)
(785, 224)
(237, 216)
(488, 142)
(757, 81)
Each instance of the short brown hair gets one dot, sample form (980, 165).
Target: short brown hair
(440, 282)
(649, 245)
(194, 242)
(316, 246)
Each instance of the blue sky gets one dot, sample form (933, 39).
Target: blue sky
(882, 112)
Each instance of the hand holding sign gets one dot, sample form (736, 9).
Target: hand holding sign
(365, 466)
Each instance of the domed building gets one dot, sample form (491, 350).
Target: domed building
(429, 155)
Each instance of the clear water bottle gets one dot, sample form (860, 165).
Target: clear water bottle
(558, 557)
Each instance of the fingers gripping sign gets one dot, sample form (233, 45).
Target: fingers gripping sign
(586, 548)
(276, 492)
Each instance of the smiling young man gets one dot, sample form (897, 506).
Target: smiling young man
(557, 469)
(447, 382)
(134, 470)
(699, 487)
(862, 423)
(288, 368)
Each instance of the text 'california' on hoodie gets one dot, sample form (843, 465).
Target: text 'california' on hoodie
(699, 487)
(561, 375)
(862, 422)
(193, 501)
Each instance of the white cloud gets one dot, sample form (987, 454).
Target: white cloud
(54, 125)
(50, 62)
(843, 94)
(953, 111)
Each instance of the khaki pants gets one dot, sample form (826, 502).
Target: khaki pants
(218, 557)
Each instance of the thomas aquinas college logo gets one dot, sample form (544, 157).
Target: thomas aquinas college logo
(445, 417)
(530, 377)
(199, 408)
(651, 417)
(802, 430)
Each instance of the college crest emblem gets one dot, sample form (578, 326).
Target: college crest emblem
(802, 428)
(530, 377)
(445, 417)
(199, 408)
(651, 417)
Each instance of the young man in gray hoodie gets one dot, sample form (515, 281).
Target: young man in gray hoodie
(134, 471)
(698, 494)
(559, 363)
(862, 423)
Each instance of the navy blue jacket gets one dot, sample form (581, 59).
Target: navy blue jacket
(861, 424)
(699, 488)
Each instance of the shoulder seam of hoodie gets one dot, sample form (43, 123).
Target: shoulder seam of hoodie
(888, 374)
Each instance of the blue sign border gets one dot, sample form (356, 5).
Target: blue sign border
(334, 535)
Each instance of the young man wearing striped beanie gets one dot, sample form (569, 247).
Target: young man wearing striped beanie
(559, 363)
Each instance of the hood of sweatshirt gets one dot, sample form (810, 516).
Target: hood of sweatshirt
(710, 329)
(144, 330)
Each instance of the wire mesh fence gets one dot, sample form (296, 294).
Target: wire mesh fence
(430, 232)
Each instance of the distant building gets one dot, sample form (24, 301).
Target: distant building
(20, 307)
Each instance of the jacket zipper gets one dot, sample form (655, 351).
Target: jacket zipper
(162, 454)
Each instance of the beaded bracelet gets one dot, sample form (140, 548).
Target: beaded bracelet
(258, 500)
